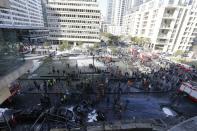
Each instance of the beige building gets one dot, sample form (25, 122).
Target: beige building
(73, 21)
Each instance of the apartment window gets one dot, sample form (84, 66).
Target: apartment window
(171, 2)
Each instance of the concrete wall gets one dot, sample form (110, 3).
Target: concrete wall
(6, 80)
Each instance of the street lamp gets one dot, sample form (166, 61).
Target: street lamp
(92, 67)
(93, 55)
(93, 59)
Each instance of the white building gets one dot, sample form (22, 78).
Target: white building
(103, 25)
(114, 29)
(116, 11)
(73, 21)
(118, 8)
(170, 24)
(134, 3)
(21, 14)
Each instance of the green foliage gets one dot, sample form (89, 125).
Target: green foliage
(114, 38)
(80, 44)
(111, 38)
(134, 40)
(140, 40)
(90, 48)
(113, 50)
(64, 45)
(178, 52)
(105, 34)
(96, 45)
(110, 42)
(46, 44)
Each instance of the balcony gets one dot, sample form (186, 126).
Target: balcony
(159, 47)
(163, 36)
(165, 26)
(161, 41)
(195, 31)
(169, 17)
(169, 11)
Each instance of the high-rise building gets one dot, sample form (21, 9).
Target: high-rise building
(118, 8)
(73, 21)
(110, 12)
(22, 14)
(23, 19)
(170, 24)
(116, 11)
(44, 3)
(21, 24)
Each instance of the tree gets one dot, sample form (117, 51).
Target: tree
(147, 41)
(64, 45)
(178, 52)
(80, 44)
(114, 50)
(140, 40)
(144, 41)
(113, 39)
(96, 45)
(106, 34)
(135, 40)
(90, 48)
(46, 44)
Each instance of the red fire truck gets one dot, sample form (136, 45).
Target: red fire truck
(189, 88)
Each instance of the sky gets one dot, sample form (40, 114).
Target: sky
(103, 6)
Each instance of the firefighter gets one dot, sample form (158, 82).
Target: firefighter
(49, 83)
(64, 72)
(37, 85)
(54, 81)
(63, 99)
(45, 86)
(53, 70)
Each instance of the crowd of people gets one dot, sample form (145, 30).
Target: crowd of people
(166, 78)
